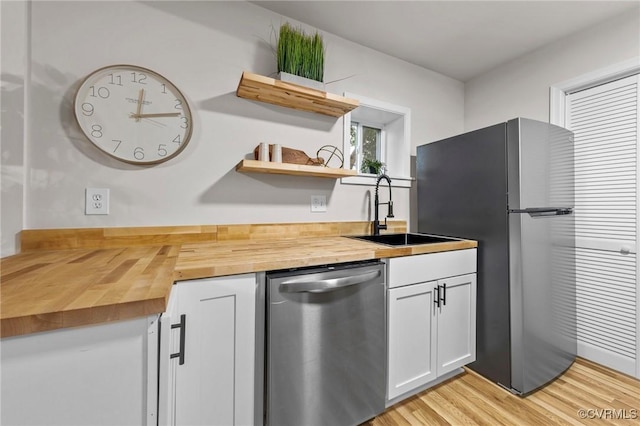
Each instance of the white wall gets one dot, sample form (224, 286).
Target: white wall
(202, 47)
(13, 71)
(521, 88)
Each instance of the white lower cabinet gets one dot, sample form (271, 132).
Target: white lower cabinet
(102, 374)
(431, 318)
(412, 338)
(207, 367)
(456, 323)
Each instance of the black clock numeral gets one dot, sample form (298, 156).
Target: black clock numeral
(138, 153)
(118, 142)
(162, 151)
(96, 131)
(177, 139)
(178, 104)
(101, 92)
(87, 109)
(138, 77)
(115, 79)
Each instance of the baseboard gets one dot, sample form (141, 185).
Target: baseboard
(609, 359)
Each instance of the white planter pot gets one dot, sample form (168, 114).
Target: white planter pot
(300, 81)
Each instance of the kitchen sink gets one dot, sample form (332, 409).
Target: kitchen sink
(405, 239)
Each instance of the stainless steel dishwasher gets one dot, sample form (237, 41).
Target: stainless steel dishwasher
(326, 345)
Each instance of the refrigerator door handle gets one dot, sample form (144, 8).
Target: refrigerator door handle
(544, 211)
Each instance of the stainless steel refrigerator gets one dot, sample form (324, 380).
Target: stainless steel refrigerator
(510, 187)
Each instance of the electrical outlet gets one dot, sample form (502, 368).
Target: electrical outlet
(96, 201)
(318, 203)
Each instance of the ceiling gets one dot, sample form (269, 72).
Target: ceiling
(460, 39)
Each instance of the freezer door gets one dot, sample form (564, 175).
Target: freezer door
(541, 257)
(540, 165)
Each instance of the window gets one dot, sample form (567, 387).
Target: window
(380, 131)
(366, 144)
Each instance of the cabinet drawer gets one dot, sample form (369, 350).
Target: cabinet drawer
(432, 266)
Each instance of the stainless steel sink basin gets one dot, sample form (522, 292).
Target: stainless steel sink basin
(405, 239)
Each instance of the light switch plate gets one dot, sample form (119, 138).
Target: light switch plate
(318, 203)
(96, 201)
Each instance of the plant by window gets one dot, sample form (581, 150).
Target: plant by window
(299, 53)
(372, 166)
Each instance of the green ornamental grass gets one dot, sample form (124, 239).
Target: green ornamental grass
(300, 54)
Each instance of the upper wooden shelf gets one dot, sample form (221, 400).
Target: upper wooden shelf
(292, 169)
(277, 92)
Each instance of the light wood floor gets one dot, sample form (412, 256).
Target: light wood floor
(469, 399)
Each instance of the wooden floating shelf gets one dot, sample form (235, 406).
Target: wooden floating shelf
(292, 169)
(265, 89)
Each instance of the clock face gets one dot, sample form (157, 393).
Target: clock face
(133, 114)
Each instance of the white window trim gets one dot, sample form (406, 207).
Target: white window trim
(557, 114)
(559, 91)
(397, 180)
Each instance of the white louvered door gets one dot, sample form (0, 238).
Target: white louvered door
(604, 120)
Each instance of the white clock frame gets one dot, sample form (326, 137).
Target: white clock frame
(133, 114)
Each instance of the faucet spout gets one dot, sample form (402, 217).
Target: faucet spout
(376, 222)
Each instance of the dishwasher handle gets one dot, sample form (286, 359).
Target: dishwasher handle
(323, 286)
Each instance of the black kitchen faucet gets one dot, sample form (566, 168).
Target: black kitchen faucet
(376, 222)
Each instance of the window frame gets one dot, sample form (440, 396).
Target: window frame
(395, 123)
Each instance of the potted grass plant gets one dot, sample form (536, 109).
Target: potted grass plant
(372, 166)
(300, 57)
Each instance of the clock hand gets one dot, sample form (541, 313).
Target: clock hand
(159, 114)
(147, 117)
(155, 123)
(139, 109)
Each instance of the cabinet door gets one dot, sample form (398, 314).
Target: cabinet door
(456, 322)
(412, 338)
(215, 385)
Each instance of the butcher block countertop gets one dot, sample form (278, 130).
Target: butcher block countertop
(53, 288)
(216, 259)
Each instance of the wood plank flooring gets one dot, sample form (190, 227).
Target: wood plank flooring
(586, 394)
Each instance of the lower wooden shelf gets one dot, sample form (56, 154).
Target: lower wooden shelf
(292, 169)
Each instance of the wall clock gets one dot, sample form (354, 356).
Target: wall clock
(133, 114)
